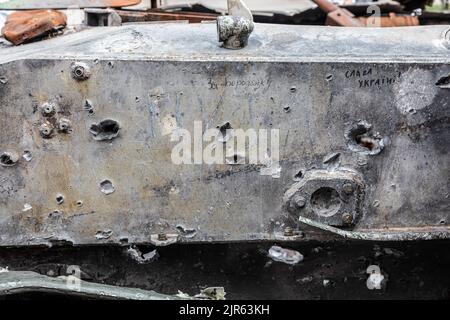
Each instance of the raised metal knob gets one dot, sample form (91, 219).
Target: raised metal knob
(235, 29)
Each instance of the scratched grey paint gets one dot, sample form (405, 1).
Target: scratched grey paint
(138, 80)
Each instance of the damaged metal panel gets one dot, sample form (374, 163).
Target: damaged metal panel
(86, 124)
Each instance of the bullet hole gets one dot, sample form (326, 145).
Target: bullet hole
(27, 155)
(366, 142)
(298, 175)
(287, 109)
(442, 222)
(325, 201)
(123, 241)
(293, 89)
(223, 128)
(59, 199)
(107, 187)
(88, 106)
(329, 77)
(79, 203)
(443, 82)
(3, 80)
(55, 214)
(111, 64)
(137, 99)
(8, 159)
(105, 130)
(361, 139)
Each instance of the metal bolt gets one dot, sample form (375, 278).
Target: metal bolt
(48, 109)
(348, 188)
(347, 218)
(299, 201)
(64, 124)
(80, 71)
(288, 232)
(162, 237)
(46, 130)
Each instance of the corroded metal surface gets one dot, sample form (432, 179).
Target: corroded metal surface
(373, 101)
(25, 26)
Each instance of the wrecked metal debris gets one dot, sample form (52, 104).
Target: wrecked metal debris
(287, 256)
(376, 280)
(337, 16)
(63, 4)
(101, 18)
(25, 26)
(391, 20)
(210, 293)
(142, 258)
(158, 15)
(16, 282)
(258, 7)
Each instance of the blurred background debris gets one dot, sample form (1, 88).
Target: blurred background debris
(80, 14)
(26, 26)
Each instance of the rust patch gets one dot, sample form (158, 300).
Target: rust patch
(25, 26)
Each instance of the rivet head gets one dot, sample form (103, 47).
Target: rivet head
(348, 188)
(46, 130)
(300, 201)
(347, 218)
(80, 71)
(64, 124)
(48, 109)
(297, 202)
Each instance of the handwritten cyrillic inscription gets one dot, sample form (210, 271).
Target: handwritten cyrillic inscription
(255, 83)
(367, 78)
